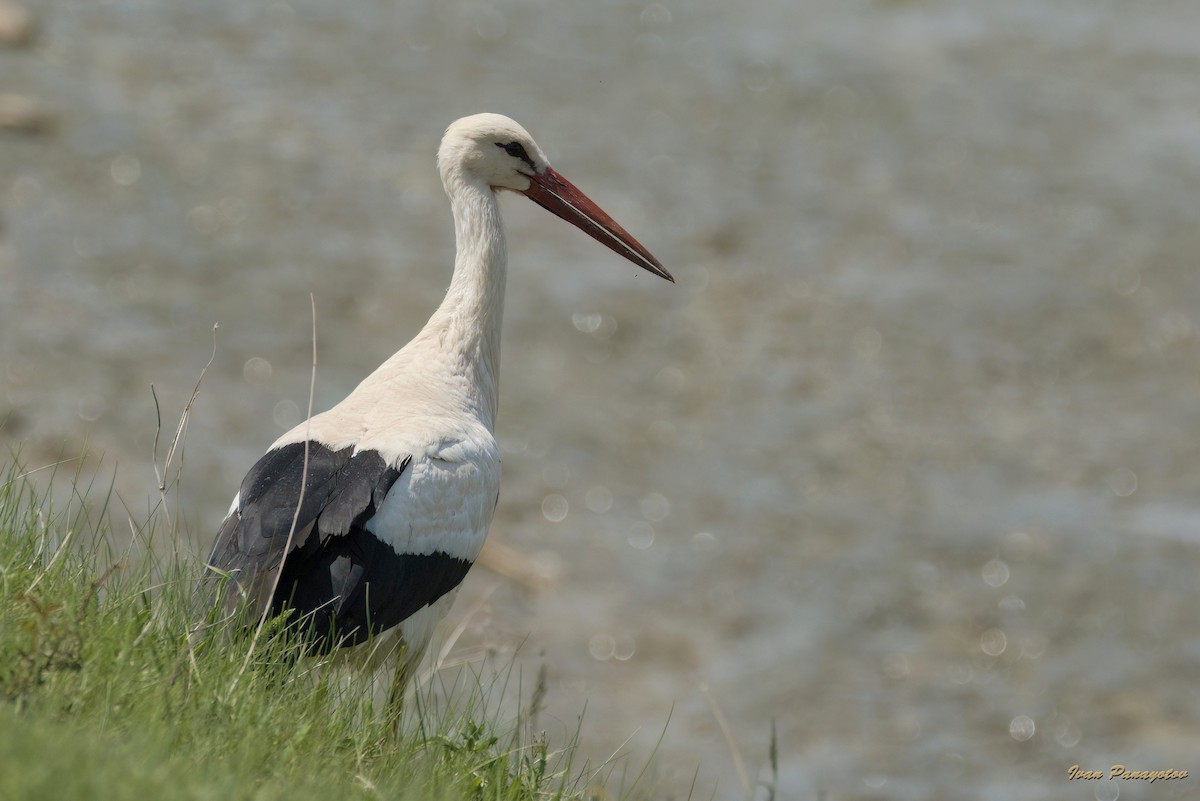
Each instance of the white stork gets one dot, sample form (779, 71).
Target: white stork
(365, 518)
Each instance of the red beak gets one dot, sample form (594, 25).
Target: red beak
(558, 195)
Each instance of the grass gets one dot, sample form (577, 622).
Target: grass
(103, 697)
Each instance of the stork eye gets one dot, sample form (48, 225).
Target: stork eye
(516, 150)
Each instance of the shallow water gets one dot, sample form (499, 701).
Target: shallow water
(904, 463)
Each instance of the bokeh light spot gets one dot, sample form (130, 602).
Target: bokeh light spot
(286, 413)
(641, 535)
(995, 573)
(598, 499)
(1123, 482)
(555, 508)
(602, 647)
(993, 642)
(655, 507)
(1021, 728)
(257, 372)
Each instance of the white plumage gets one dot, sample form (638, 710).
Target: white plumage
(403, 475)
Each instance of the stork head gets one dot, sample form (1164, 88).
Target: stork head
(496, 150)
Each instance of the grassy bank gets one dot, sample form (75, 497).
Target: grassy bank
(103, 697)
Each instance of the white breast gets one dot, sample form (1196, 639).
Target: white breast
(444, 501)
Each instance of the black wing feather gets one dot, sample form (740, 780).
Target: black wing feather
(346, 583)
(356, 586)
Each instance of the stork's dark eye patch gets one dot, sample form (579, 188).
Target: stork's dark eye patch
(516, 150)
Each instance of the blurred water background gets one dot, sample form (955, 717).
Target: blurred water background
(905, 463)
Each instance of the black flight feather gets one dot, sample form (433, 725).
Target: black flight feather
(345, 582)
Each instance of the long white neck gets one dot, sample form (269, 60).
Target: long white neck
(466, 327)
